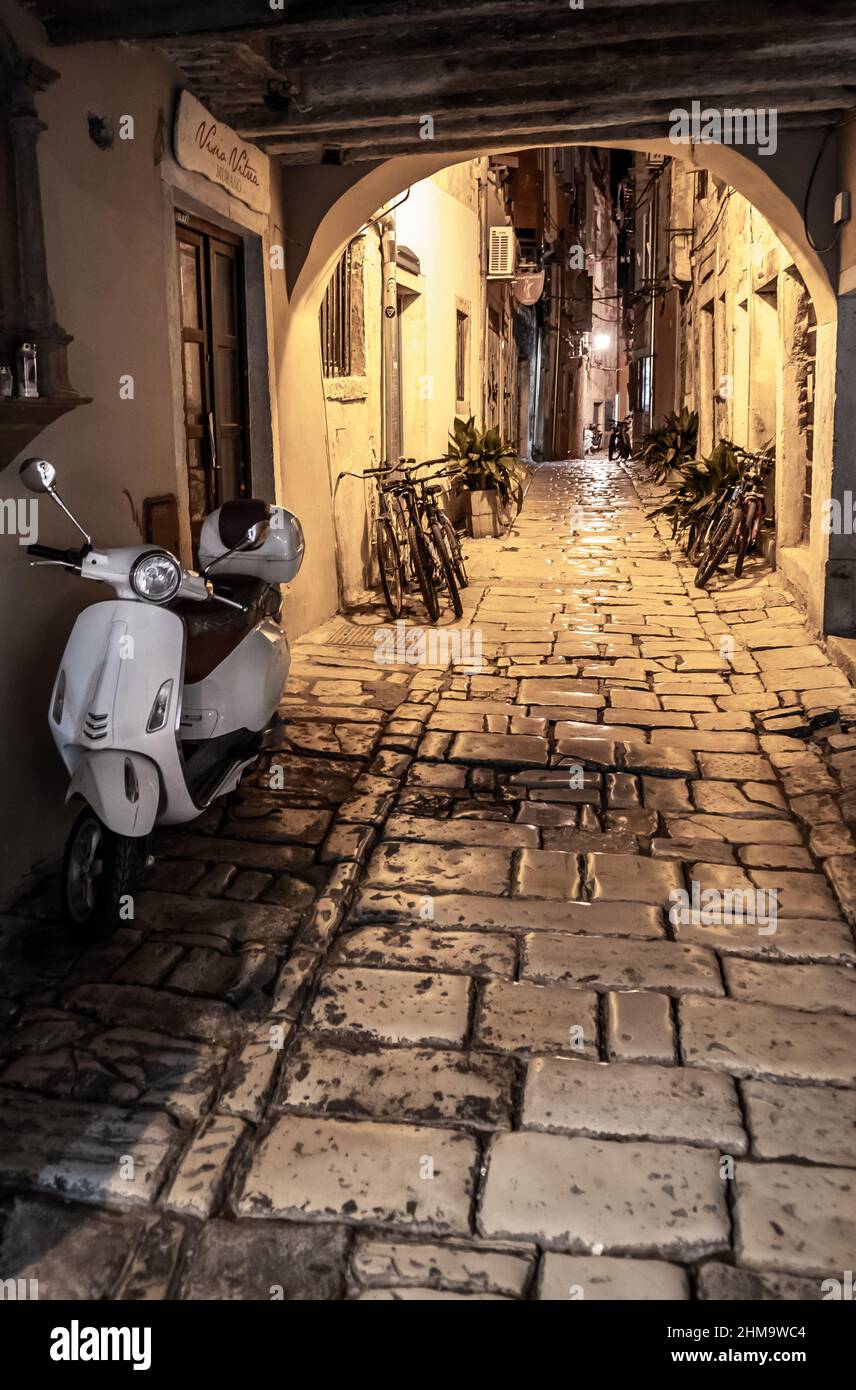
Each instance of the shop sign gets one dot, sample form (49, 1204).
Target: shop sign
(207, 146)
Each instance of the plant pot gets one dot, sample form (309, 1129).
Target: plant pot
(454, 502)
(487, 515)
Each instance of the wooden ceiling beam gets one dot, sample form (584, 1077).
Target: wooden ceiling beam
(705, 19)
(88, 21)
(526, 125)
(378, 88)
(738, 77)
(615, 136)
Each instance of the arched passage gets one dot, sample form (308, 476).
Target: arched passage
(770, 183)
(333, 203)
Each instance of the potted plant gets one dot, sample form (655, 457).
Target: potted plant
(671, 446)
(491, 472)
(703, 487)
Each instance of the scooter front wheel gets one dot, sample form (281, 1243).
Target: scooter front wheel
(98, 872)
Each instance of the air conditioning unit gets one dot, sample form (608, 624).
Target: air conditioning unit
(501, 257)
(655, 161)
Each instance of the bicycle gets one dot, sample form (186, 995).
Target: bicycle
(416, 542)
(448, 541)
(390, 539)
(619, 439)
(738, 523)
(429, 547)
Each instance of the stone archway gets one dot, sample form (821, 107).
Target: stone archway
(770, 183)
(334, 202)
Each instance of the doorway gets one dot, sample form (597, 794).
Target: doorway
(214, 368)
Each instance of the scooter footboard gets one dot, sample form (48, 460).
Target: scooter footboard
(122, 788)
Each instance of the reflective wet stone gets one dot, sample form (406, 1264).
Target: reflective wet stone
(412, 1176)
(419, 1085)
(575, 1194)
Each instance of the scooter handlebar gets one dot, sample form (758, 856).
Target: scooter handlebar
(72, 558)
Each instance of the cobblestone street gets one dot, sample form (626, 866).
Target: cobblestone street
(410, 1018)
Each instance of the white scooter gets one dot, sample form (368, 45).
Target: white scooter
(167, 693)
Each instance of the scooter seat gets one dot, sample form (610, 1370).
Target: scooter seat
(214, 630)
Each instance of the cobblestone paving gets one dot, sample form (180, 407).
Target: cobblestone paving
(410, 1018)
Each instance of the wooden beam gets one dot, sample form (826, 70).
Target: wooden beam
(367, 97)
(87, 21)
(741, 76)
(479, 130)
(551, 137)
(404, 42)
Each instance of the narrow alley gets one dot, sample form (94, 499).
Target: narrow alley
(446, 1034)
(428, 585)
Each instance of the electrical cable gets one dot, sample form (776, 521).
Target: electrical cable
(384, 213)
(716, 221)
(821, 250)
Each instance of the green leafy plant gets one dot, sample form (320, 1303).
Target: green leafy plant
(487, 462)
(703, 486)
(671, 446)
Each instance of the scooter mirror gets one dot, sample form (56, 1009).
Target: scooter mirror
(37, 475)
(257, 534)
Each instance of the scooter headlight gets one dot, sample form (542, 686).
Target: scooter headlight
(156, 576)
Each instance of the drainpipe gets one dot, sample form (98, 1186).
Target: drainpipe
(554, 421)
(655, 218)
(535, 394)
(389, 343)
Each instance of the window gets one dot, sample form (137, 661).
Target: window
(645, 384)
(462, 333)
(335, 320)
(701, 184)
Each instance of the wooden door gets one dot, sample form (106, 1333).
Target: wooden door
(213, 339)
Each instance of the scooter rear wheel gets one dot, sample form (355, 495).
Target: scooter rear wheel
(98, 873)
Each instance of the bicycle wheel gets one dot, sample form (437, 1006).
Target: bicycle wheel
(700, 535)
(718, 547)
(447, 569)
(389, 560)
(421, 564)
(745, 537)
(456, 555)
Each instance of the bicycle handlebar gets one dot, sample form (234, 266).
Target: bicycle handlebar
(428, 463)
(371, 472)
(404, 466)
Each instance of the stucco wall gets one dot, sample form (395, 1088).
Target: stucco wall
(109, 219)
(103, 216)
(439, 221)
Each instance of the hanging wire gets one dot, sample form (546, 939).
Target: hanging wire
(821, 250)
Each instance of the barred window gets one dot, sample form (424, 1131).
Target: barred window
(335, 320)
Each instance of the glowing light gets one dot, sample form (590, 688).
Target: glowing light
(602, 341)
